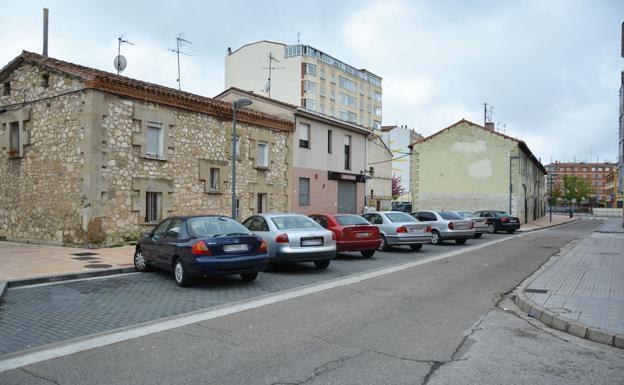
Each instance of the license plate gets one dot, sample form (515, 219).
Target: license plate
(311, 242)
(362, 235)
(234, 248)
(462, 227)
(513, 221)
(414, 230)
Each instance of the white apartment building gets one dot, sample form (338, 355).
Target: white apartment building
(304, 76)
(398, 138)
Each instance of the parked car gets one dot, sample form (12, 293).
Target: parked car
(201, 246)
(353, 232)
(405, 207)
(446, 225)
(397, 229)
(294, 238)
(500, 221)
(480, 224)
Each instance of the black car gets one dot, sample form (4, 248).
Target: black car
(201, 246)
(499, 221)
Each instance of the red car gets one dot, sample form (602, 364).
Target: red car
(353, 233)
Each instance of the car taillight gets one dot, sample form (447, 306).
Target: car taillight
(282, 238)
(505, 219)
(428, 229)
(401, 229)
(451, 226)
(200, 248)
(263, 247)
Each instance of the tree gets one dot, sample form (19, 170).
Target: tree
(397, 188)
(577, 188)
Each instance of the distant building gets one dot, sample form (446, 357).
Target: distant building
(596, 173)
(398, 138)
(614, 196)
(470, 167)
(306, 77)
(621, 141)
(379, 182)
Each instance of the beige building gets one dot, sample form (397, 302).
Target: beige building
(306, 77)
(327, 157)
(379, 181)
(92, 158)
(470, 167)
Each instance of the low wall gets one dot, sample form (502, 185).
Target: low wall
(606, 212)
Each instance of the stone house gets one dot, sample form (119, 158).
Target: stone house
(93, 158)
(471, 167)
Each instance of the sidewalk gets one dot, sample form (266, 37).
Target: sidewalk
(581, 290)
(545, 222)
(20, 260)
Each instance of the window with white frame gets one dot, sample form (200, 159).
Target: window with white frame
(347, 84)
(304, 191)
(153, 203)
(304, 135)
(309, 87)
(262, 159)
(322, 74)
(155, 134)
(310, 69)
(347, 100)
(322, 90)
(377, 124)
(333, 78)
(332, 96)
(378, 111)
(237, 146)
(377, 96)
(347, 116)
(214, 179)
(309, 104)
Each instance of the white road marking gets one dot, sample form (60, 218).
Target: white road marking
(74, 280)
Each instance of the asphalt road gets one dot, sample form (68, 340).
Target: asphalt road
(434, 323)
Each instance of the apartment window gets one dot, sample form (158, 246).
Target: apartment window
(322, 74)
(329, 141)
(347, 152)
(262, 159)
(322, 108)
(362, 89)
(6, 89)
(153, 202)
(304, 135)
(309, 87)
(377, 96)
(362, 104)
(154, 139)
(304, 191)
(309, 104)
(377, 124)
(347, 116)
(14, 139)
(214, 179)
(333, 78)
(347, 84)
(309, 69)
(261, 204)
(378, 111)
(322, 90)
(332, 95)
(593, 169)
(347, 100)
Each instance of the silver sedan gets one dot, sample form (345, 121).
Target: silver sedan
(446, 225)
(294, 238)
(480, 223)
(398, 229)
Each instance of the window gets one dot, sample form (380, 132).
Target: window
(173, 230)
(309, 69)
(309, 104)
(321, 221)
(347, 84)
(209, 226)
(262, 203)
(154, 139)
(304, 135)
(262, 159)
(295, 222)
(304, 191)
(332, 96)
(322, 74)
(6, 89)
(329, 141)
(309, 87)
(14, 139)
(333, 78)
(347, 116)
(347, 152)
(322, 91)
(256, 223)
(377, 96)
(214, 179)
(347, 100)
(378, 111)
(362, 104)
(153, 201)
(45, 80)
(362, 89)
(377, 124)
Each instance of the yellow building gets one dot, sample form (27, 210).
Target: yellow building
(613, 196)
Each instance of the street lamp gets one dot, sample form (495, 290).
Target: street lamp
(511, 157)
(236, 104)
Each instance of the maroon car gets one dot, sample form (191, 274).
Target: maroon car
(353, 233)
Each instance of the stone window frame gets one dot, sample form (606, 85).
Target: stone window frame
(261, 188)
(204, 174)
(21, 116)
(241, 132)
(152, 114)
(267, 137)
(159, 185)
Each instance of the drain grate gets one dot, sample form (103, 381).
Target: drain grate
(84, 258)
(538, 291)
(98, 266)
(84, 254)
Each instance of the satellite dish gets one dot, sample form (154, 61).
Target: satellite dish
(120, 63)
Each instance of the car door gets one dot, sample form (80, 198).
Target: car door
(150, 245)
(168, 244)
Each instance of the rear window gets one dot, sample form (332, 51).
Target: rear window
(215, 226)
(466, 214)
(449, 216)
(499, 214)
(400, 217)
(351, 220)
(295, 222)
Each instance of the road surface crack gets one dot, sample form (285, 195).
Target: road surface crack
(326, 367)
(40, 376)
(208, 338)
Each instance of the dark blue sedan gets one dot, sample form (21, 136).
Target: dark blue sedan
(201, 246)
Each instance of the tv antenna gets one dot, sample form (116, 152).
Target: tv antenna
(120, 62)
(180, 41)
(487, 113)
(267, 87)
(298, 37)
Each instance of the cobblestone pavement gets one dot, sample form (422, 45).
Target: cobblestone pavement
(586, 282)
(34, 316)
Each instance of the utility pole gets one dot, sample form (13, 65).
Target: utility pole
(179, 42)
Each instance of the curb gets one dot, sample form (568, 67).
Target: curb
(567, 325)
(67, 277)
(549, 226)
(3, 288)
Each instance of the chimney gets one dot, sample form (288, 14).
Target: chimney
(490, 126)
(229, 51)
(45, 32)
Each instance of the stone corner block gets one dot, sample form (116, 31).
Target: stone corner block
(577, 329)
(560, 323)
(600, 336)
(535, 312)
(618, 341)
(547, 317)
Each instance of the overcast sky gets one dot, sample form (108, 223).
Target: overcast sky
(551, 69)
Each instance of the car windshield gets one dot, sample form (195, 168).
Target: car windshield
(215, 226)
(295, 222)
(350, 220)
(500, 214)
(400, 217)
(449, 216)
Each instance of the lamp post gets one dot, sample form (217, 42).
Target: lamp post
(236, 104)
(550, 197)
(511, 157)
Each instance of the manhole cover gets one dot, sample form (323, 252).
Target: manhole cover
(84, 258)
(98, 266)
(538, 291)
(85, 254)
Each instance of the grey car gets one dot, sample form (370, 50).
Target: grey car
(480, 224)
(446, 225)
(397, 229)
(293, 238)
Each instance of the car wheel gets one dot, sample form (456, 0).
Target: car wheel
(416, 247)
(249, 277)
(436, 239)
(180, 274)
(139, 261)
(510, 231)
(367, 253)
(477, 236)
(491, 228)
(322, 264)
(383, 245)
(461, 241)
